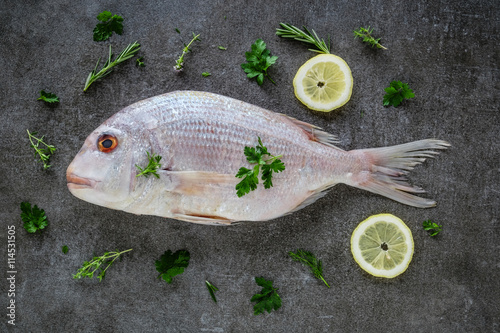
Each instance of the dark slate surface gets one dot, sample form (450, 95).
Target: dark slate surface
(446, 50)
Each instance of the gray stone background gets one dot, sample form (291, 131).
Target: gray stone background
(446, 50)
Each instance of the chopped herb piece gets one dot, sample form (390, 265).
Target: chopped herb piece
(139, 62)
(110, 23)
(48, 97)
(179, 65)
(211, 289)
(396, 93)
(205, 74)
(268, 299)
(34, 218)
(222, 48)
(172, 264)
(65, 249)
(432, 228)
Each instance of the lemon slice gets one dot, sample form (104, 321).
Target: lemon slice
(323, 83)
(382, 245)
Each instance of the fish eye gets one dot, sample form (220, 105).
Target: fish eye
(107, 143)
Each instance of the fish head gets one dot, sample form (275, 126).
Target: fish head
(103, 171)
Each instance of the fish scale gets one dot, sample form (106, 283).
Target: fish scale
(201, 138)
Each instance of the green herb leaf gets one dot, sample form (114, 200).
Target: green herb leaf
(268, 299)
(177, 30)
(365, 34)
(171, 265)
(222, 48)
(179, 64)
(126, 54)
(65, 249)
(308, 259)
(139, 62)
(153, 165)
(205, 74)
(43, 153)
(396, 93)
(34, 218)
(290, 31)
(48, 97)
(90, 267)
(432, 228)
(258, 61)
(111, 23)
(211, 289)
(251, 176)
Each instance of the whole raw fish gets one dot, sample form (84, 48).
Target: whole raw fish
(201, 138)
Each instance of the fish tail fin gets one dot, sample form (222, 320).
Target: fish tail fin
(385, 174)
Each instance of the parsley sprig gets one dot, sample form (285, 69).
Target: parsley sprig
(153, 165)
(268, 299)
(306, 36)
(396, 93)
(44, 153)
(110, 23)
(251, 176)
(97, 263)
(308, 259)
(126, 54)
(259, 60)
(366, 35)
(432, 228)
(34, 218)
(172, 264)
(48, 97)
(179, 64)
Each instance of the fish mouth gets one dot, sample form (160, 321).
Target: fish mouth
(77, 182)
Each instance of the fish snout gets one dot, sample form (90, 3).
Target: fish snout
(77, 182)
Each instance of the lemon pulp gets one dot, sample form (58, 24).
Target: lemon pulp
(323, 83)
(382, 245)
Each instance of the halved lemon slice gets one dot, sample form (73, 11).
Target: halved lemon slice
(382, 245)
(323, 83)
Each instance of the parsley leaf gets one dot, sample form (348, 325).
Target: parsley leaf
(111, 23)
(432, 228)
(34, 218)
(396, 92)
(211, 289)
(153, 165)
(308, 259)
(251, 176)
(44, 153)
(90, 267)
(170, 264)
(367, 37)
(48, 97)
(258, 61)
(268, 299)
(65, 249)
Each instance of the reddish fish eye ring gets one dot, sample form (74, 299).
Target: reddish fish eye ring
(107, 143)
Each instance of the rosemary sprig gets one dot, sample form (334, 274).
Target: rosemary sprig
(290, 31)
(367, 37)
(44, 153)
(180, 62)
(127, 53)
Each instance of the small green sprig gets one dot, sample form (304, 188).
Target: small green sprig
(139, 62)
(268, 299)
(44, 153)
(251, 176)
(48, 97)
(179, 64)
(396, 93)
(259, 60)
(153, 165)
(205, 74)
(90, 267)
(308, 259)
(306, 36)
(432, 228)
(211, 289)
(126, 54)
(365, 34)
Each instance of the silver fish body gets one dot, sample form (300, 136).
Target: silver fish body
(201, 138)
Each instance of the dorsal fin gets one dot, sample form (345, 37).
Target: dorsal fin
(315, 133)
